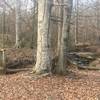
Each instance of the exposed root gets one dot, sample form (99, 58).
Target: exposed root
(39, 74)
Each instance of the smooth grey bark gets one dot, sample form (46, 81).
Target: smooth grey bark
(60, 24)
(43, 62)
(64, 48)
(18, 23)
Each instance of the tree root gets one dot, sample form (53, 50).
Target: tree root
(39, 74)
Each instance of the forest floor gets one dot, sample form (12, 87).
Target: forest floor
(76, 85)
(81, 85)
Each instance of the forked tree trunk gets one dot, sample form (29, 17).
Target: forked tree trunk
(18, 24)
(43, 62)
(61, 69)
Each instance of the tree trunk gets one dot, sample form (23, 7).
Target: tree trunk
(18, 23)
(4, 26)
(60, 24)
(77, 21)
(62, 62)
(98, 20)
(43, 64)
(2, 62)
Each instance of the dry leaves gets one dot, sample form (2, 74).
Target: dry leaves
(79, 85)
(83, 85)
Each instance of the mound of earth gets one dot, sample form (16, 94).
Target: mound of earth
(20, 57)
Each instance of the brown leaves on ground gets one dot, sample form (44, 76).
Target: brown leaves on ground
(80, 85)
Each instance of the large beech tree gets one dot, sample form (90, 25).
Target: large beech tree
(43, 61)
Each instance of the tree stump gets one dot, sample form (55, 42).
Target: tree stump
(2, 62)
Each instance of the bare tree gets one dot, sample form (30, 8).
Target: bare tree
(64, 48)
(60, 26)
(43, 62)
(18, 24)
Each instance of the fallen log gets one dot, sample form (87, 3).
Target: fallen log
(11, 71)
(84, 60)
